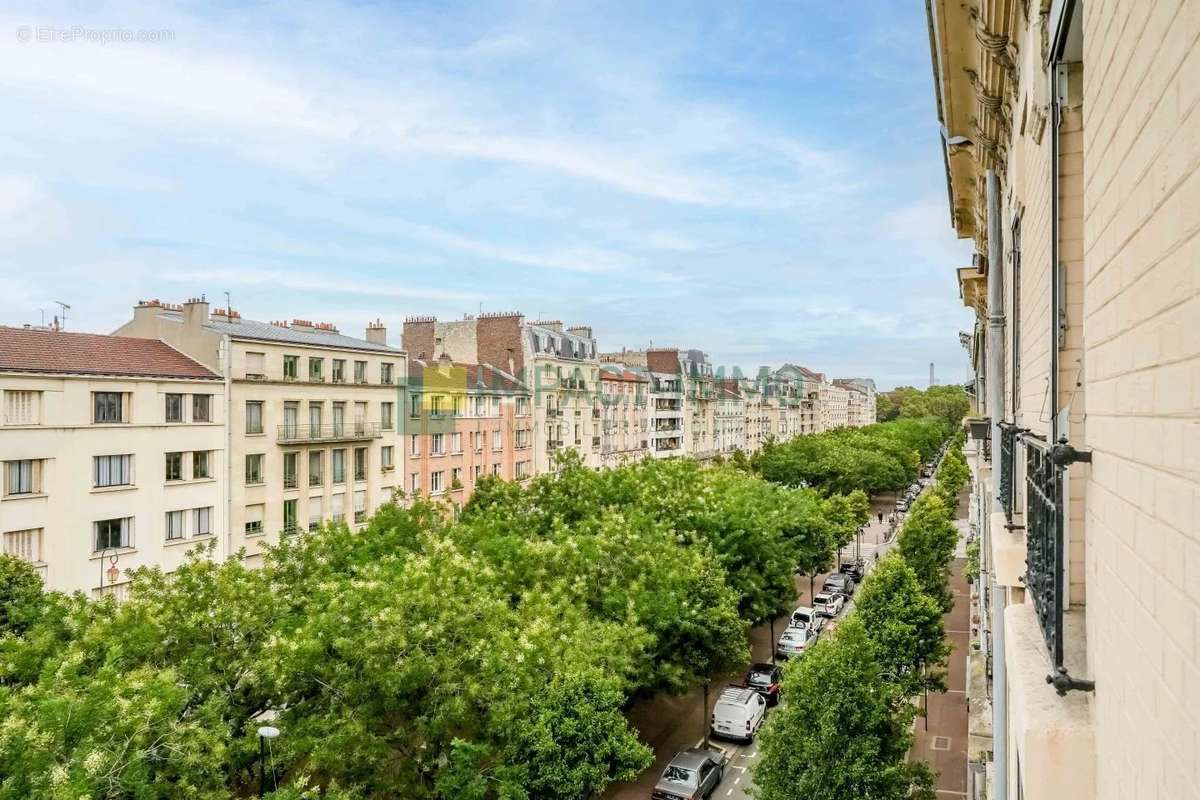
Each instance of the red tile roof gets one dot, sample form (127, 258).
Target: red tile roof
(41, 350)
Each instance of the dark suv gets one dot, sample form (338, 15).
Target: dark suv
(765, 679)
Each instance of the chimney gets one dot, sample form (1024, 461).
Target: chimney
(581, 330)
(445, 363)
(303, 325)
(195, 313)
(145, 311)
(376, 332)
(553, 324)
(417, 336)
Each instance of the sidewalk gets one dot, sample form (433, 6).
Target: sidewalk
(944, 744)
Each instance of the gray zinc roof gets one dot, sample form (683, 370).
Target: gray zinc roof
(265, 331)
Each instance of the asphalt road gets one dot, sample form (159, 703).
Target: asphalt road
(673, 723)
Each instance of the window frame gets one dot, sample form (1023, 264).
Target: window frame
(174, 399)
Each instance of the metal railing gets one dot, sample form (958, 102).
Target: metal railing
(1044, 542)
(1008, 466)
(290, 434)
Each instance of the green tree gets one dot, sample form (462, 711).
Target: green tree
(903, 624)
(927, 542)
(843, 730)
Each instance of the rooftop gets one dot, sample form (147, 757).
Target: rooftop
(453, 375)
(239, 328)
(62, 352)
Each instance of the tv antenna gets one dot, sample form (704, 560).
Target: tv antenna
(62, 326)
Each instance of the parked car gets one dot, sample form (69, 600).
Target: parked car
(692, 774)
(839, 583)
(738, 714)
(794, 642)
(805, 617)
(829, 604)
(855, 569)
(765, 679)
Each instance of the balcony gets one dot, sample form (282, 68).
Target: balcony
(1008, 465)
(316, 434)
(595, 442)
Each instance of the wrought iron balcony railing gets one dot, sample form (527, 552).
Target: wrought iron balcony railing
(1047, 552)
(1008, 466)
(353, 431)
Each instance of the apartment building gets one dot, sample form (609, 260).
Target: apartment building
(758, 421)
(833, 403)
(113, 454)
(666, 403)
(860, 409)
(700, 404)
(1071, 143)
(559, 366)
(312, 416)
(729, 424)
(461, 422)
(625, 414)
(805, 389)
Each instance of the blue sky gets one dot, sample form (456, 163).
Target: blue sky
(758, 180)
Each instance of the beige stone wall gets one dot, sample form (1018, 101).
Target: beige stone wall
(1141, 302)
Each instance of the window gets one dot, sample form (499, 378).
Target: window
(414, 445)
(316, 370)
(289, 516)
(112, 533)
(478, 437)
(112, 470)
(339, 466)
(314, 513)
(291, 419)
(360, 418)
(522, 470)
(291, 367)
(478, 472)
(174, 525)
(256, 365)
(201, 408)
(316, 463)
(480, 406)
(496, 470)
(523, 437)
(414, 406)
(254, 469)
(290, 464)
(108, 407)
(435, 482)
(254, 416)
(339, 418)
(385, 372)
(21, 408)
(200, 465)
(24, 477)
(456, 442)
(386, 415)
(174, 466)
(315, 411)
(25, 545)
(522, 406)
(360, 463)
(497, 440)
(339, 370)
(254, 520)
(174, 410)
(385, 457)
(360, 507)
(495, 406)
(339, 507)
(415, 482)
(437, 444)
(360, 372)
(202, 521)
(456, 477)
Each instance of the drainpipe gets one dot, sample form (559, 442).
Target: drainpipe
(225, 359)
(995, 401)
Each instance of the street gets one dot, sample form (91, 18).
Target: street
(673, 723)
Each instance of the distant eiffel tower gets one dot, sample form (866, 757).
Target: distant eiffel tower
(931, 381)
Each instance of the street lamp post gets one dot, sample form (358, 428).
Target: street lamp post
(113, 572)
(264, 733)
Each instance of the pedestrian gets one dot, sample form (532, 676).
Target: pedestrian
(880, 517)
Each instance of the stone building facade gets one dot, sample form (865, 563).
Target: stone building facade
(1072, 150)
(624, 415)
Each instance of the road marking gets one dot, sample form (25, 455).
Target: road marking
(738, 779)
(729, 793)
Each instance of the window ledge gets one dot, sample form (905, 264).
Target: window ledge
(206, 537)
(29, 496)
(1055, 735)
(256, 483)
(191, 482)
(112, 551)
(1008, 552)
(112, 489)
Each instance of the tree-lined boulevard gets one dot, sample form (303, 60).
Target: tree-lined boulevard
(492, 651)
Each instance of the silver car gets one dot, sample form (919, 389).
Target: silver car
(794, 642)
(694, 773)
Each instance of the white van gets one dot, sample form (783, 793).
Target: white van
(739, 713)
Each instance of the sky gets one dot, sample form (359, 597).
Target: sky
(759, 180)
